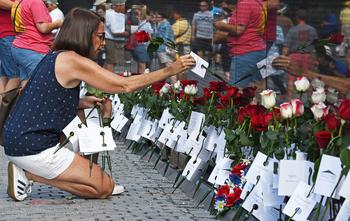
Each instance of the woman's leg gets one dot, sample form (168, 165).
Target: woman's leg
(76, 180)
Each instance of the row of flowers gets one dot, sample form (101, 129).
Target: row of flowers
(314, 127)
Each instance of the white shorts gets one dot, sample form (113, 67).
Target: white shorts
(46, 164)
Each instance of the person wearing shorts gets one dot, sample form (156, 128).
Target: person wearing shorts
(49, 103)
(203, 30)
(8, 70)
(33, 39)
(246, 41)
(115, 35)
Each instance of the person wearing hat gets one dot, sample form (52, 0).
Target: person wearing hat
(55, 12)
(115, 34)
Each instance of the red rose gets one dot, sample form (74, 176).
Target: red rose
(223, 190)
(232, 91)
(332, 122)
(188, 82)
(207, 93)
(142, 37)
(344, 109)
(198, 101)
(249, 91)
(232, 198)
(217, 86)
(220, 107)
(225, 100)
(336, 38)
(323, 138)
(261, 121)
(157, 86)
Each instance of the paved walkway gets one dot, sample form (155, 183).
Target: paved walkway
(148, 197)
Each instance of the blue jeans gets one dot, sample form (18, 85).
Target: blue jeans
(244, 65)
(26, 61)
(8, 65)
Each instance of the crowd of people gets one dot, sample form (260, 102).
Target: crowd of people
(49, 56)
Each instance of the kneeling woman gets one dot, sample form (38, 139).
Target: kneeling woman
(49, 103)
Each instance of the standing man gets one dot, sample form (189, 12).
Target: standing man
(202, 30)
(8, 72)
(55, 13)
(33, 26)
(246, 41)
(182, 32)
(115, 34)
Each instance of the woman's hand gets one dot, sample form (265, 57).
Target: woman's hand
(89, 102)
(106, 108)
(282, 62)
(183, 64)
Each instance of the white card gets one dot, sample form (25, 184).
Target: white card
(221, 171)
(93, 114)
(257, 168)
(134, 110)
(132, 133)
(196, 121)
(200, 62)
(118, 110)
(166, 136)
(265, 66)
(289, 179)
(119, 123)
(194, 145)
(328, 175)
(192, 168)
(222, 176)
(255, 197)
(73, 126)
(299, 204)
(271, 198)
(180, 138)
(345, 188)
(96, 139)
(220, 153)
(214, 140)
(166, 118)
(344, 212)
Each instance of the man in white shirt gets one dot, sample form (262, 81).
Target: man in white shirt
(55, 13)
(116, 34)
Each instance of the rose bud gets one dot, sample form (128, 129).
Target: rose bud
(298, 107)
(286, 110)
(318, 96)
(319, 110)
(344, 109)
(268, 98)
(302, 84)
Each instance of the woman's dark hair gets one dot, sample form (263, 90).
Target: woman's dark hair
(76, 31)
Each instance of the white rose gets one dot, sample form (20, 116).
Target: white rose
(286, 110)
(319, 110)
(191, 89)
(147, 71)
(177, 85)
(302, 84)
(125, 74)
(318, 96)
(316, 83)
(165, 89)
(268, 98)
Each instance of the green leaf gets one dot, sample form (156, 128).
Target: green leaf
(345, 159)
(272, 135)
(152, 47)
(279, 154)
(316, 168)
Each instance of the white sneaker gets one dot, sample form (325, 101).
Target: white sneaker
(19, 186)
(118, 189)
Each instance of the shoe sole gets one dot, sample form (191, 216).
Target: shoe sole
(10, 183)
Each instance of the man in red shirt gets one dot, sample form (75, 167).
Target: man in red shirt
(246, 40)
(33, 26)
(8, 71)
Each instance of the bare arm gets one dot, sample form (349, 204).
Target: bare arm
(235, 30)
(46, 28)
(83, 69)
(6, 4)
